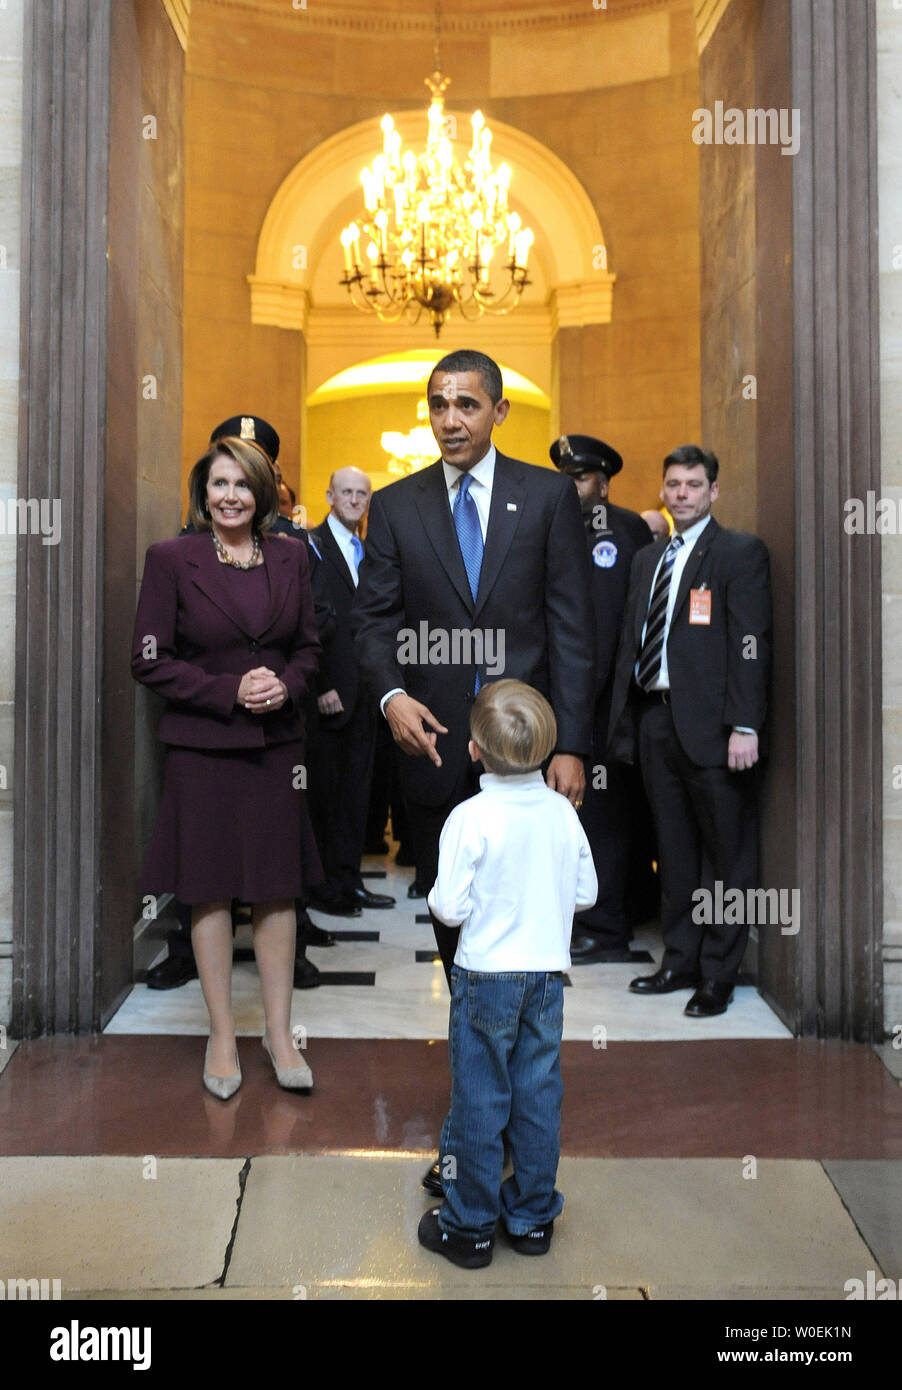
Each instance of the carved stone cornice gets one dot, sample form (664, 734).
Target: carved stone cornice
(359, 20)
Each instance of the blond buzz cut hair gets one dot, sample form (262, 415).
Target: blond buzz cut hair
(513, 726)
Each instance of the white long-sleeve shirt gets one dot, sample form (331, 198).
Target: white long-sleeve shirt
(514, 865)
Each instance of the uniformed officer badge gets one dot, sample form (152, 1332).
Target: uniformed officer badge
(247, 427)
(605, 554)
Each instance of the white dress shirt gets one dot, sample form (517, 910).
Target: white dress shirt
(345, 542)
(483, 475)
(514, 865)
(690, 537)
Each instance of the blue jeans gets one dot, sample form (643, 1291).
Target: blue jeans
(505, 1049)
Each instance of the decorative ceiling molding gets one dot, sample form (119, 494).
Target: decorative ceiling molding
(574, 306)
(362, 21)
(278, 305)
(332, 327)
(708, 14)
(179, 12)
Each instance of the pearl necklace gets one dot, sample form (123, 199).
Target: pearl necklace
(227, 558)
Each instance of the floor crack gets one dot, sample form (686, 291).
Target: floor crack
(242, 1181)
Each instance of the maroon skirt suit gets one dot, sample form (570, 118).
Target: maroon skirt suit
(233, 821)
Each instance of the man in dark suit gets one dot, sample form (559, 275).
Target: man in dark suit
(343, 763)
(476, 568)
(613, 535)
(690, 694)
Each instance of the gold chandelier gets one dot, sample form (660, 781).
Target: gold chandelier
(432, 228)
(410, 452)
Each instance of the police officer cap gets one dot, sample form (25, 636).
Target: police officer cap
(249, 427)
(580, 453)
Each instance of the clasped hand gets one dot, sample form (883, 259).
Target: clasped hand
(261, 691)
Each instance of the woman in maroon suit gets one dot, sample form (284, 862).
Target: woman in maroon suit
(225, 633)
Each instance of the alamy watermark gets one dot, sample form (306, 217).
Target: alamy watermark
(769, 907)
(32, 516)
(755, 126)
(456, 646)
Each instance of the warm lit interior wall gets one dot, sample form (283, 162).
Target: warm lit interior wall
(611, 94)
(348, 431)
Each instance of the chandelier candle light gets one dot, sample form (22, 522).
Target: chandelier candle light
(432, 228)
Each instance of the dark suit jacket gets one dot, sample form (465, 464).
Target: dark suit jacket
(715, 681)
(325, 618)
(611, 549)
(533, 587)
(192, 648)
(339, 666)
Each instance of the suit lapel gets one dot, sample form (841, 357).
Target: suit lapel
(332, 550)
(687, 578)
(508, 500)
(435, 514)
(209, 578)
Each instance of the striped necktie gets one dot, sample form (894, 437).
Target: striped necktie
(469, 538)
(648, 668)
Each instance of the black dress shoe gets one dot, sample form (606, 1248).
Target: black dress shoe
(336, 906)
(309, 934)
(586, 949)
(416, 890)
(432, 1180)
(709, 1000)
(535, 1242)
(469, 1252)
(663, 982)
(365, 898)
(172, 972)
(306, 975)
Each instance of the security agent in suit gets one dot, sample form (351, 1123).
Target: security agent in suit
(690, 696)
(492, 550)
(179, 966)
(613, 536)
(342, 766)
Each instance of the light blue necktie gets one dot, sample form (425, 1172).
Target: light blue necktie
(357, 547)
(469, 538)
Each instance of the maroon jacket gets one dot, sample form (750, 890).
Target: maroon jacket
(191, 648)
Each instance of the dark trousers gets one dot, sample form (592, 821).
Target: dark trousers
(341, 770)
(706, 822)
(385, 789)
(425, 828)
(606, 819)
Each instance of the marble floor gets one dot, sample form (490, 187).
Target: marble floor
(702, 1161)
(409, 998)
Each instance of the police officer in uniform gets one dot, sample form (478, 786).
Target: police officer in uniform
(608, 813)
(179, 966)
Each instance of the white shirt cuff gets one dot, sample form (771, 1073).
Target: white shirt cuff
(398, 690)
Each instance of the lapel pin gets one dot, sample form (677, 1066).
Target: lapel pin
(511, 506)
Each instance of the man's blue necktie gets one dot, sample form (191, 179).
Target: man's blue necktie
(648, 667)
(469, 538)
(357, 547)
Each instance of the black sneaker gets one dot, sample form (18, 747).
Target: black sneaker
(432, 1180)
(535, 1242)
(465, 1251)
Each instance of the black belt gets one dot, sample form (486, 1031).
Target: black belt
(650, 697)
